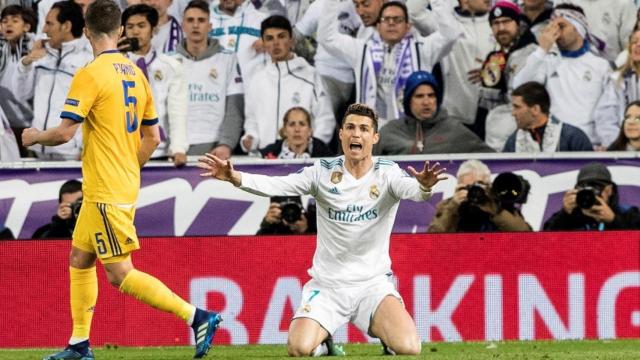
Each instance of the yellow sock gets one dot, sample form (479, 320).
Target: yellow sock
(84, 294)
(152, 291)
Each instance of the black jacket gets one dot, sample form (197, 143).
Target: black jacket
(626, 218)
(57, 229)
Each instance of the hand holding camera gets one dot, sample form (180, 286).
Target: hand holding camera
(69, 211)
(126, 44)
(274, 213)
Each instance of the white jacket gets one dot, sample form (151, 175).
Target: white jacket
(425, 51)
(169, 88)
(610, 20)
(237, 34)
(460, 95)
(575, 85)
(276, 88)
(609, 111)
(47, 82)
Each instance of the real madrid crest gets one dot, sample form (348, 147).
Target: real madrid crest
(296, 98)
(587, 75)
(213, 73)
(492, 70)
(306, 308)
(158, 75)
(373, 192)
(497, 12)
(336, 177)
(231, 43)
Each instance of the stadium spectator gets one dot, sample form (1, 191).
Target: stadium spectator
(114, 153)
(297, 138)
(64, 221)
(336, 73)
(236, 25)
(286, 81)
(215, 93)
(425, 127)
(538, 130)
(293, 10)
(358, 197)
(44, 75)
(166, 77)
(593, 204)
(8, 143)
(383, 61)
(168, 34)
(611, 21)
(537, 14)
(17, 26)
(460, 94)
(286, 216)
(474, 208)
(621, 89)
(629, 136)
(575, 78)
(495, 75)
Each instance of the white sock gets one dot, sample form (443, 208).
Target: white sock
(76, 340)
(321, 350)
(192, 317)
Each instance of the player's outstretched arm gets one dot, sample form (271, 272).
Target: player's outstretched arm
(51, 137)
(429, 176)
(219, 169)
(149, 143)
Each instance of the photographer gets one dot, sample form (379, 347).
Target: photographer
(64, 221)
(593, 204)
(287, 216)
(477, 206)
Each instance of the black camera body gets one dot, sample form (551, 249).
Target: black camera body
(75, 209)
(476, 194)
(586, 197)
(290, 207)
(129, 44)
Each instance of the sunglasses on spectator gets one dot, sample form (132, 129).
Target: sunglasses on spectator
(632, 118)
(392, 19)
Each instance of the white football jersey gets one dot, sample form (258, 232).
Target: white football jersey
(355, 216)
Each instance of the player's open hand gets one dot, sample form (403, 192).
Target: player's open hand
(429, 176)
(218, 169)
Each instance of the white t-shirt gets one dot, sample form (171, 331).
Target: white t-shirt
(354, 216)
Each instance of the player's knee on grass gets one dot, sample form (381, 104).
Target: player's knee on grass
(300, 347)
(407, 346)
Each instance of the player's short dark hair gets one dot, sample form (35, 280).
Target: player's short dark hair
(141, 9)
(27, 15)
(399, 4)
(363, 110)
(103, 17)
(69, 187)
(198, 4)
(534, 93)
(70, 11)
(277, 22)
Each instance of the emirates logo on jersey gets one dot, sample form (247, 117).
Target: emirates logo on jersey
(374, 193)
(336, 177)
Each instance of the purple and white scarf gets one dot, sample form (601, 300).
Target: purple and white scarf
(404, 68)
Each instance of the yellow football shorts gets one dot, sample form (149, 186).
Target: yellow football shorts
(106, 230)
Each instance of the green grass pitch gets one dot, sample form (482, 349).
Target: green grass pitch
(517, 350)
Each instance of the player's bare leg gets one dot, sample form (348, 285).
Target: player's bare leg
(305, 335)
(394, 326)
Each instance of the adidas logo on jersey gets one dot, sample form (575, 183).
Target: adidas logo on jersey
(334, 190)
(128, 241)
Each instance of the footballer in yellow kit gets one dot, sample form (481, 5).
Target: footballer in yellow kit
(112, 98)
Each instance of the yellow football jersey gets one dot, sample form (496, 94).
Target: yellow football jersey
(112, 97)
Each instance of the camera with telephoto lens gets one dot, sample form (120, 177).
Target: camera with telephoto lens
(290, 207)
(75, 209)
(586, 197)
(509, 188)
